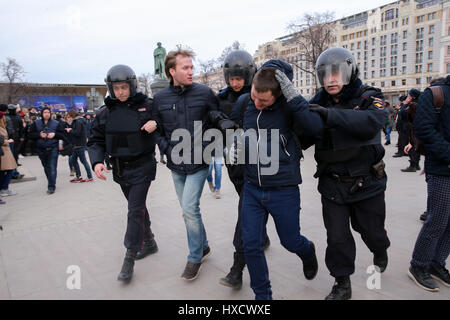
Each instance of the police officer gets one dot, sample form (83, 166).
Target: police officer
(238, 71)
(350, 169)
(123, 129)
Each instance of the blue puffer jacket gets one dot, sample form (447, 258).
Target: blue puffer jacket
(174, 108)
(436, 142)
(278, 116)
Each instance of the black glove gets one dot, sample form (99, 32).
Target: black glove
(225, 124)
(215, 116)
(322, 111)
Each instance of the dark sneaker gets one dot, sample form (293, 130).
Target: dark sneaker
(311, 266)
(206, 253)
(418, 168)
(423, 216)
(150, 247)
(439, 273)
(387, 143)
(398, 155)
(191, 271)
(423, 279)
(409, 169)
(342, 289)
(381, 260)
(50, 191)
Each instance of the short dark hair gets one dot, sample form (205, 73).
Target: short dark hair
(265, 80)
(72, 113)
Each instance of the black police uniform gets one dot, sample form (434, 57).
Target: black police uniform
(350, 186)
(117, 130)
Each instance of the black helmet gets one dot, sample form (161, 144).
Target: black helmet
(239, 63)
(121, 73)
(337, 60)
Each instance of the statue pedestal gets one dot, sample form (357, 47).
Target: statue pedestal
(158, 85)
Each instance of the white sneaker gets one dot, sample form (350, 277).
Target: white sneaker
(5, 193)
(218, 195)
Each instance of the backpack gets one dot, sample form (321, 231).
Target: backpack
(438, 104)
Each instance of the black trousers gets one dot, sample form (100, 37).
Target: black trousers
(366, 217)
(138, 225)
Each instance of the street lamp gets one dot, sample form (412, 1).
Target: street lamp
(92, 97)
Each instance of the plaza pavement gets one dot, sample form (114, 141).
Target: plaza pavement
(84, 224)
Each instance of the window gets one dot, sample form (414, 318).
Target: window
(405, 34)
(373, 72)
(448, 49)
(419, 45)
(430, 42)
(403, 70)
(373, 63)
(373, 41)
(431, 29)
(419, 57)
(429, 67)
(389, 15)
(352, 46)
(405, 46)
(430, 55)
(382, 84)
(393, 82)
(404, 58)
(419, 33)
(418, 80)
(419, 68)
(373, 52)
(403, 82)
(420, 19)
(448, 67)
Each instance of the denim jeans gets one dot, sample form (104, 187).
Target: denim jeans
(189, 189)
(388, 133)
(5, 179)
(217, 166)
(49, 160)
(79, 153)
(284, 207)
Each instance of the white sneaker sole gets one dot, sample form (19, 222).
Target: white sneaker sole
(416, 282)
(440, 280)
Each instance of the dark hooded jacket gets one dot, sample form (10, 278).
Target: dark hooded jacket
(433, 130)
(52, 126)
(279, 116)
(228, 97)
(351, 143)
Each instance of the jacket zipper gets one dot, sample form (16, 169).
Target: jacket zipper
(257, 147)
(284, 142)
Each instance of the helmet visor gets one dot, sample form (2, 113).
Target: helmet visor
(337, 74)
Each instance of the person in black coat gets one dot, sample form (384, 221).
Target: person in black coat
(350, 169)
(124, 128)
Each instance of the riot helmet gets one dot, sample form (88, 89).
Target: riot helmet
(239, 63)
(121, 73)
(334, 62)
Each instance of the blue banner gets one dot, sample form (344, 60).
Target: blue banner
(55, 103)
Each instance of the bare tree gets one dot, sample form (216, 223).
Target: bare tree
(13, 73)
(235, 46)
(313, 34)
(206, 69)
(144, 81)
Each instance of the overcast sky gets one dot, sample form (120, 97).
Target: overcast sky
(68, 41)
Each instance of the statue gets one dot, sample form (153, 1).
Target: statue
(159, 54)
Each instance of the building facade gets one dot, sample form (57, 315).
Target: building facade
(398, 46)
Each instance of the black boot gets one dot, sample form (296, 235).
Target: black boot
(266, 243)
(311, 266)
(411, 168)
(126, 273)
(148, 248)
(342, 289)
(234, 278)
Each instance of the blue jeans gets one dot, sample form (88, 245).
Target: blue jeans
(79, 153)
(387, 131)
(189, 189)
(284, 207)
(49, 160)
(217, 165)
(15, 172)
(5, 179)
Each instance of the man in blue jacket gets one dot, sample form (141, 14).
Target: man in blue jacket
(432, 128)
(47, 131)
(185, 105)
(271, 187)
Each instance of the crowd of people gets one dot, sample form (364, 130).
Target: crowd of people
(344, 121)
